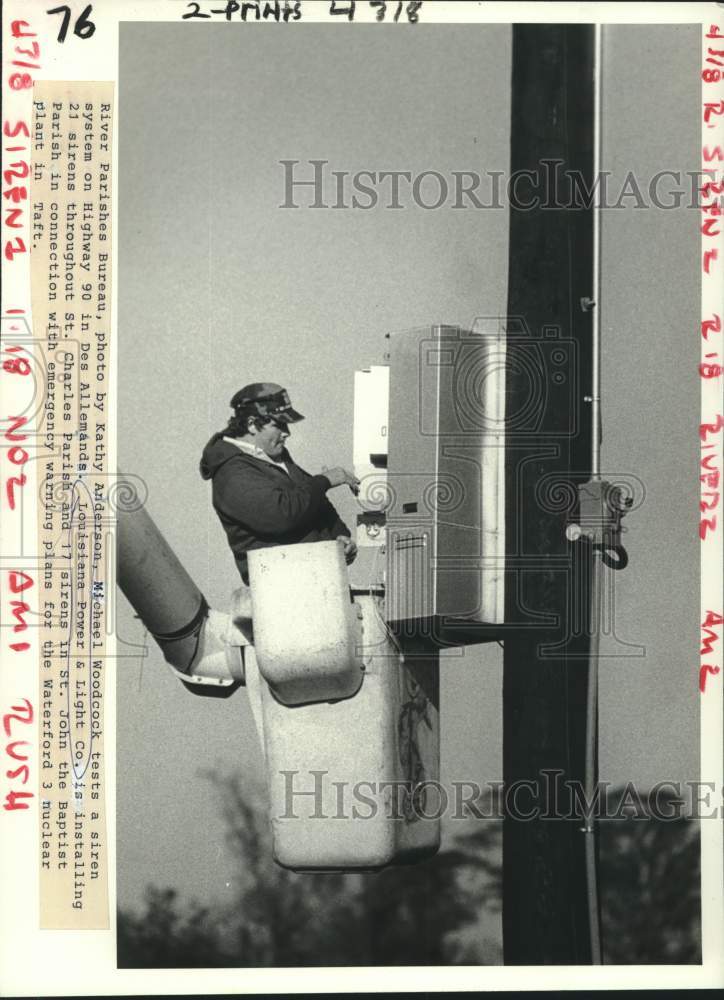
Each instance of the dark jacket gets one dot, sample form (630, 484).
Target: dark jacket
(260, 505)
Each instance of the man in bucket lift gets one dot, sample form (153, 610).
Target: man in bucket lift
(262, 497)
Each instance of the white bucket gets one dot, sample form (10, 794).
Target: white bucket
(307, 634)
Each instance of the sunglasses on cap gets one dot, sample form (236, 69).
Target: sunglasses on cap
(277, 405)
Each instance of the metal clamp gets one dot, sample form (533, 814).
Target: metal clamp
(601, 508)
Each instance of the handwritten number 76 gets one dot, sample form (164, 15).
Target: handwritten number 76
(83, 27)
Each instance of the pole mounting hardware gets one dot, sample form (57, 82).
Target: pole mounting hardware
(600, 510)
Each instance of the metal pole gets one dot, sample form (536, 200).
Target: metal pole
(591, 766)
(596, 579)
(596, 317)
(546, 915)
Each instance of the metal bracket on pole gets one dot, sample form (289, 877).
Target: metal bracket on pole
(601, 508)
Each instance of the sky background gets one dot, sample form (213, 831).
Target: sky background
(219, 287)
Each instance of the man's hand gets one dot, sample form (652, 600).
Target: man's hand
(350, 546)
(339, 476)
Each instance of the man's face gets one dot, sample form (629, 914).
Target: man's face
(271, 438)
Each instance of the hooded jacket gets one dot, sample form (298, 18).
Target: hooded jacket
(260, 504)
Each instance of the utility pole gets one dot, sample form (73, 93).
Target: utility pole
(546, 914)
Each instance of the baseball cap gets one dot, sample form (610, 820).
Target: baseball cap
(268, 399)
